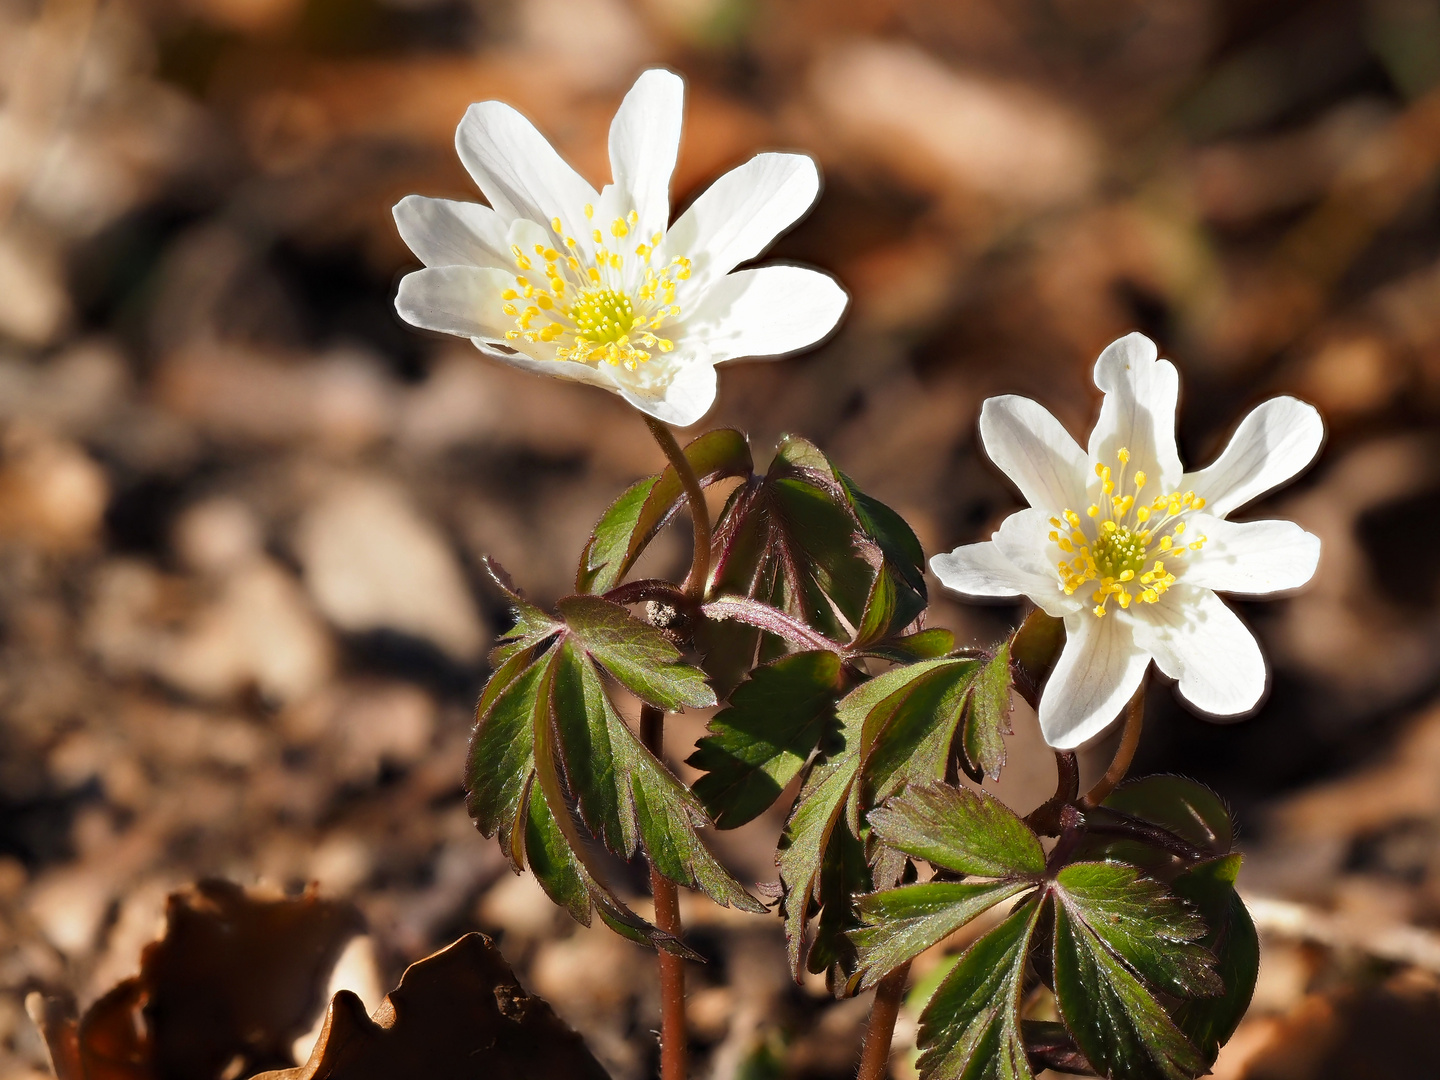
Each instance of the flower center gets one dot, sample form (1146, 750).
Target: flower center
(591, 307)
(1130, 543)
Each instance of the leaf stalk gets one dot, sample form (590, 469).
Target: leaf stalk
(880, 1031)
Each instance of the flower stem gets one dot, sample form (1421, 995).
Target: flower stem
(875, 1055)
(1125, 753)
(667, 918)
(695, 496)
(673, 1049)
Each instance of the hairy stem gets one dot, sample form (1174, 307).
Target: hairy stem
(695, 496)
(1125, 753)
(652, 734)
(667, 917)
(875, 1055)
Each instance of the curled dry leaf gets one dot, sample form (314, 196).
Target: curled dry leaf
(234, 981)
(460, 1013)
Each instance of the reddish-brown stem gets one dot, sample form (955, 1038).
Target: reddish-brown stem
(673, 1048)
(880, 1031)
(667, 918)
(695, 496)
(1124, 753)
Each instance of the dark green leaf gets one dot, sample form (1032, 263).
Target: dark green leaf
(634, 519)
(1116, 1021)
(928, 644)
(1034, 648)
(844, 874)
(1211, 888)
(908, 733)
(971, 1028)
(818, 813)
(987, 720)
(502, 748)
(1151, 930)
(970, 832)
(761, 742)
(603, 563)
(799, 539)
(635, 653)
(1189, 809)
(624, 793)
(532, 626)
(888, 529)
(587, 747)
(902, 923)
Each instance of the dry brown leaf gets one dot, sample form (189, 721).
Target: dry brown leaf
(459, 1013)
(234, 981)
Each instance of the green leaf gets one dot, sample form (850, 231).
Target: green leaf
(1034, 649)
(928, 644)
(802, 540)
(1150, 929)
(548, 743)
(1210, 886)
(531, 627)
(897, 540)
(1188, 809)
(626, 796)
(762, 740)
(637, 516)
(604, 562)
(967, 831)
(635, 653)
(844, 873)
(502, 750)
(902, 923)
(818, 814)
(908, 733)
(970, 1030)
(1117, 1023)
(987, 720)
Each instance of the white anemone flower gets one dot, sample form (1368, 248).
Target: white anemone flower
(556, 278)
(1130, 549)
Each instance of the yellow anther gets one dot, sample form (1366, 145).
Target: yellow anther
(1140, 479)
(589, 211)
(618, 228)
(1143, 514)
(1094, 510)
(1124, 455)
(598, 236)
(1198, 504)
(509, 294)
(1065, 544)
(555, 224)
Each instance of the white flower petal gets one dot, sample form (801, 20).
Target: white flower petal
(1201, 644)
(1250, 557)
(644, 141)
(1099, 669)
(600, 375)
(1277, 440)
(982, 570)
(685, 399)
(518, 170)
(1023, 539)
(1035, 451)
(741, 214)
(443, 232)
(1138, 413)
(462, 300)
(768, 311)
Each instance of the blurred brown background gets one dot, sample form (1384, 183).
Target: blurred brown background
(242, 505)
